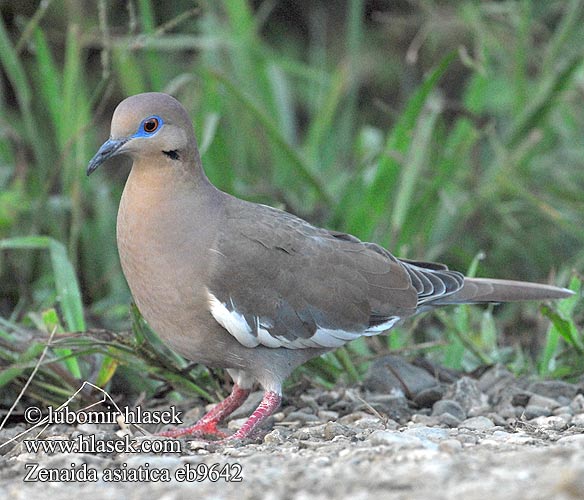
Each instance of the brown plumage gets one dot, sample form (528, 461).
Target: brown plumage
(249, 288)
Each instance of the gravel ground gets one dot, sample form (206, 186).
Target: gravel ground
(493, 437)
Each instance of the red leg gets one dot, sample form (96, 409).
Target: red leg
(208, 423)
(270, 403)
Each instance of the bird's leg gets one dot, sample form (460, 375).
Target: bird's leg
(207, 425)
(269, 404)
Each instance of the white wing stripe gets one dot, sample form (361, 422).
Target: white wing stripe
(233, 322)
(236, 324)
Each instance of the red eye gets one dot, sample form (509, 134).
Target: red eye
(150, 125)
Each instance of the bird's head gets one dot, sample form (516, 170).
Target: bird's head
(147, 125)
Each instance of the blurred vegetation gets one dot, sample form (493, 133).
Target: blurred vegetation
(445, 130)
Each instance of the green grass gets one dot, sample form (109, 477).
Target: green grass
(475, 147)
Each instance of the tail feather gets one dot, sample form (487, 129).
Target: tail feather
(476, 290)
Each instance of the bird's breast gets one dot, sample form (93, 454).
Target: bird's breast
(164, 256)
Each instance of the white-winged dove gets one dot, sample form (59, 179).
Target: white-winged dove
(247, 287)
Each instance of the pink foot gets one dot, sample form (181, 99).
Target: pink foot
(207, 425)
(270, 403)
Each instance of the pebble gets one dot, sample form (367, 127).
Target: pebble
(449, 406)
(543, 401)
(577, 439)
(425, 420)
(328, 415)
(274, 437)
(399, 439)
(467, 438)
(521, 398)
(430, 433)
(497, 419)
(477, 423)
(427, 397)
(563, 410)
(555, 423)
(333, 429)
(534, 411)
(449, 420)
(302, 416)
(394, 406)
(554, 389)
(577, 404)
(394, 372)
(466, 392)
(507, 412)
(494, 378)
(154, 461)
(450, 446)
(198, 445)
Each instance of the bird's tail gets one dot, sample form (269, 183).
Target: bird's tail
(476, 290)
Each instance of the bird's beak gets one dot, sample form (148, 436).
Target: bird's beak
(108, 149)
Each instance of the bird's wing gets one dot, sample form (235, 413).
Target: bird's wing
(278, 281)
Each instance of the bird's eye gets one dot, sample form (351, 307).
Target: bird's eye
(151, 125)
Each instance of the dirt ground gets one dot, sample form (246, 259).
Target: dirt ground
(490, 438)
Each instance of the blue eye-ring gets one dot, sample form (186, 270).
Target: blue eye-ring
(149, 126)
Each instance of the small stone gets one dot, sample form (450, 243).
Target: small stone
(578, 420)
(465, 392)
(448, 406)
(563, 410)
(450, 446)
(399, 439)
(395, 407)
(491, 442)
(198, 445)
(520, 439)
(534, 411)
(554, 388)
(354, 416)
(507, 412)
(87, 428)
(334, 429)
(235, 424)
(468, 438)
(302, 417)
(310, 402)
(577, 439)
(449, 420)
(321, 461)
(372, 423)
(479, 411)
(501, 435)
(542, 401)
(393, 372)
(521, 398)
(554, 423)
(497, 419)
(577, 404)
(274, 437)
(477, 423)
(496, 376)
(519, 411)
(429, 433)
(425, 420)
(327, 415)
(279, 416)
(154, 461)
(327, 398)
(427, 397)
(301, 435)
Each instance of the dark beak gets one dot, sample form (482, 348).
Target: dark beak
(108, 149)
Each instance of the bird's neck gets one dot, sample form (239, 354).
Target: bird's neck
(167, 173)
